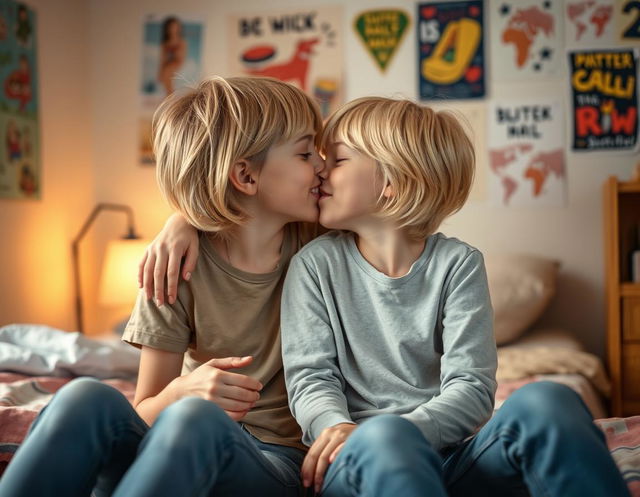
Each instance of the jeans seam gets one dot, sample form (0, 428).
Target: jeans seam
(510, 433)
(343, 465)
(239, 443)
(481, 450)
(117, 429)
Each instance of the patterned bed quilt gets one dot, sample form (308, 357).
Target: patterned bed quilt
(23, 396)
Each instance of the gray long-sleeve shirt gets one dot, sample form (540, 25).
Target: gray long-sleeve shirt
(357, 343)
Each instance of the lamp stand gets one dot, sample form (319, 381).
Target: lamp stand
(131, 234)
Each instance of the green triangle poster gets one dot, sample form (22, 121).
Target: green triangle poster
(381, 32)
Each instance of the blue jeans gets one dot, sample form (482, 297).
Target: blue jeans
(90, 436)
(541, 442)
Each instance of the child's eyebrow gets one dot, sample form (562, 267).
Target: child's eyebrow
(305, 137)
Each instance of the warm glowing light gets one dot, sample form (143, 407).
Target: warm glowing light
(118, 283)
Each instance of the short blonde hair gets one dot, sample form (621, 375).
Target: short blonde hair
(199, 134)
(425, 156)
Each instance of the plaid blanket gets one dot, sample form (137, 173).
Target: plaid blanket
(22, 397)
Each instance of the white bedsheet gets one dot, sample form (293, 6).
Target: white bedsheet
(41, 350)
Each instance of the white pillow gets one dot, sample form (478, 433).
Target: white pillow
(521, 287)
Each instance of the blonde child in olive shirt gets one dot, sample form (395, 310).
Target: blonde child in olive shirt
(236, 157)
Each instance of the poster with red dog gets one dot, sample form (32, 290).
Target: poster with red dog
(19, 105)
(301, 46)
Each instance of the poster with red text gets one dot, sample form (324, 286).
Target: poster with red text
(604, 91)
(527, 39)
(527, 165)
(302, 46)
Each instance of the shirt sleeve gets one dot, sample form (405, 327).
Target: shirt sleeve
(314, 383)
(166, 328)
(469, 360)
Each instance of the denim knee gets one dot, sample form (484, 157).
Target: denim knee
(393, 439)
(193, 420)
(85, 399)
(546, 406)
(384, 431)
(544, 399)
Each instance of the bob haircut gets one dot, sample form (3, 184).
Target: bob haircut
(425, 156)
(198, 135)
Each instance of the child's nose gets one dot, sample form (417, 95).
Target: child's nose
(320, 166)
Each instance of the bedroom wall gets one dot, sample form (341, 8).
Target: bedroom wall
(35, 276)
(90, 58)
(571, 234)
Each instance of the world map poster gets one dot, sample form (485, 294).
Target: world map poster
(527, 39)
(589, 23)
(451, 60)
(527, 165)
(605, 99)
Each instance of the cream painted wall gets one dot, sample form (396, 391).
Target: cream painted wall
(571, 234)
(36, 275)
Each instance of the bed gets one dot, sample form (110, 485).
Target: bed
(36, 361)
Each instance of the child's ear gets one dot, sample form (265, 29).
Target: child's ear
(388, 191)
(242, 178)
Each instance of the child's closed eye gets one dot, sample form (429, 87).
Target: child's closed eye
(305, 156)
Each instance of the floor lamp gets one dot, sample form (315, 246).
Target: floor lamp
(115, 267)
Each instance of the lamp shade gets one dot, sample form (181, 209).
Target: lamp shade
(118, 285)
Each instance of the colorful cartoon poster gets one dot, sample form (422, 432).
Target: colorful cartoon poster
(381, 32)
(302, 46)
(628, 21)
(20, 175)
(589, 23)
(526, 41)
(527, 165)
(605, 99)
(451, 61)
(171, 59)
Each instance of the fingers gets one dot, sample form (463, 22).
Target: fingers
(240, 380)
(239, 393)
(148, 275)
(335, 452)
(310, 462)
(191, 257)
(159, 272)
(173, 270)
(236, 416)
(141, 269)
(323, 463)
(232, 405)
(323, 452)
(230, 362)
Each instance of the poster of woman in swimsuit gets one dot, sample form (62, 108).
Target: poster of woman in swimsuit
(171, 59)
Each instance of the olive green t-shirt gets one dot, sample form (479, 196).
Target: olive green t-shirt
(220, 312)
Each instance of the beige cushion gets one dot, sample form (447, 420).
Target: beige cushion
(521, 287)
